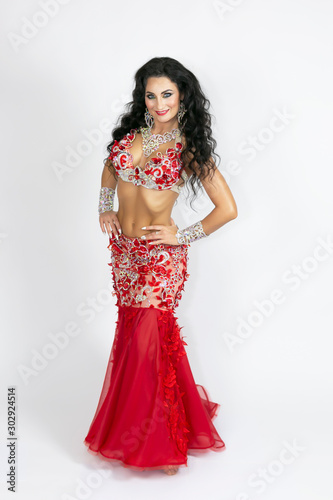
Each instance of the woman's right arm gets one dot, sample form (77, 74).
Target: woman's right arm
(108, 220)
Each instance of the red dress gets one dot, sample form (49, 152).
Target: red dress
(151, 413)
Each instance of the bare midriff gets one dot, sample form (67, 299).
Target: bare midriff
(140, 207)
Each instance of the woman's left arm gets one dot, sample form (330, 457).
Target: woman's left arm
(225, 206)
(224, 211)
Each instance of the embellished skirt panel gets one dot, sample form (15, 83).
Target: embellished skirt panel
(148, 275)
(150, 412)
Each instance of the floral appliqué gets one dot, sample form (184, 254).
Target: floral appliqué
(160, 172)
(173, 350)
(147, 275)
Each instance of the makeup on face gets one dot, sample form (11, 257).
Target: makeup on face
(162, 98)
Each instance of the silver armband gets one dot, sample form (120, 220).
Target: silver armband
(191, 233)
(106, 199)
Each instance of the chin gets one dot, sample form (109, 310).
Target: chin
(167, 118)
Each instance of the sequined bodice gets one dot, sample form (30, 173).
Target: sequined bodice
(160, 172)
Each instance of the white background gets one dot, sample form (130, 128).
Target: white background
(254, 59)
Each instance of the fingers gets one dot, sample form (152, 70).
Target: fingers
(160, 234)
(155, 239)
(157, 227)
(111, 227)
(160, 238)
(167, 241)
(117, 225)
(109, 223)
(154, 235)
(156, 242)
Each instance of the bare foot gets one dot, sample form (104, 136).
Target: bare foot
(171, 469)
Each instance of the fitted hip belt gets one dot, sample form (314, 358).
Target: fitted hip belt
(147, 275)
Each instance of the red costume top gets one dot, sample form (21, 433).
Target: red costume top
(160, 172)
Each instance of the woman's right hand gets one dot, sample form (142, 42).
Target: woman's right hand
(109, 223)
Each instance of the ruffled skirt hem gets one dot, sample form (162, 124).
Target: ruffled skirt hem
(192, 451)
(151, 412)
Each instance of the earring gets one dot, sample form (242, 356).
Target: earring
(181, 111)
(149, 119)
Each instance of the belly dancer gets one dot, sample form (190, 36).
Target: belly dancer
(151, 413)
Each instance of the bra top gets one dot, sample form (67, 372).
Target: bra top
(161, 172)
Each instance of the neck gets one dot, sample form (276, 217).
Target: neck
(161, 128)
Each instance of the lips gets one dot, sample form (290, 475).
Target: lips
(161, 113)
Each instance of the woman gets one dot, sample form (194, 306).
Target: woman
(151, 412)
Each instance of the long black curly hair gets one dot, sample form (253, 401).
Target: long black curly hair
(200, 144)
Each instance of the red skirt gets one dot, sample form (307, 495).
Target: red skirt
(150, 413)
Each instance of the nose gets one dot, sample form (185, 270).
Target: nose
(159, 104)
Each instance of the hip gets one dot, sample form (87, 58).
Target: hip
(148, 275)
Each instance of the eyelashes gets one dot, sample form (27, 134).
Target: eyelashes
(167, 94)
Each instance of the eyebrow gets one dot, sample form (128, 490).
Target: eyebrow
(168, 90)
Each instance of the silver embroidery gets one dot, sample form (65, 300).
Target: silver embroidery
(106, 199)
(190, 234)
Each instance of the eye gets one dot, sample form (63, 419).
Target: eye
(167, 94)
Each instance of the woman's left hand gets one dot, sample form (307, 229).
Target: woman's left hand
(161, 234)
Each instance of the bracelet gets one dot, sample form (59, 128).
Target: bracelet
(106, 199)
(191, 233)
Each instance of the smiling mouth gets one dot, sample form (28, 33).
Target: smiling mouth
(162, 112)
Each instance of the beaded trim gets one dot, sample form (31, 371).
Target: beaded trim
(151, 142)
(161, 172)
(190, 234)
(106, 199)
(147, 275)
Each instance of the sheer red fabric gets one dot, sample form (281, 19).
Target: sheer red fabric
(151, 413)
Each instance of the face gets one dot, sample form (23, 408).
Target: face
(162, 99)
